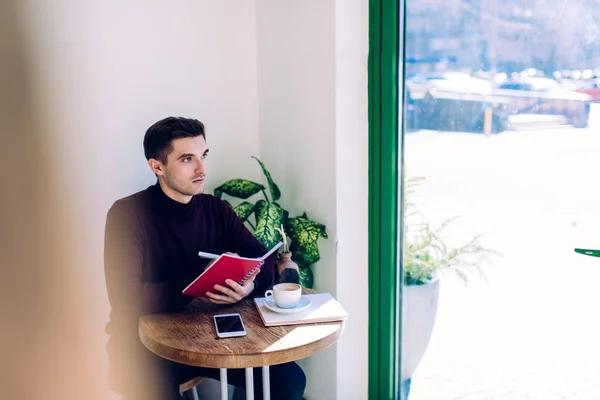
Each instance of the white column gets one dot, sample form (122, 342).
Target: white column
(224, 395)
(266, 383)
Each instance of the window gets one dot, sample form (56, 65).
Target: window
(498, 151)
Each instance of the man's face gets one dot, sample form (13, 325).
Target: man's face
(183, 175)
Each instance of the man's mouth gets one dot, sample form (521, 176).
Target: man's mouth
(199, 179)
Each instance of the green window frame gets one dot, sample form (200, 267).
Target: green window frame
(386, 166)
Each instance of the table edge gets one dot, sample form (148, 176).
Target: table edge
(240, 361)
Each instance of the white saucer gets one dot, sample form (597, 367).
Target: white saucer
(302, 305)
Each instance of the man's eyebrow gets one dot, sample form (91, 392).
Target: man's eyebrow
(185, 155)
(206, 151)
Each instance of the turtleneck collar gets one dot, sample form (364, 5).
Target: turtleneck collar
(170, 207)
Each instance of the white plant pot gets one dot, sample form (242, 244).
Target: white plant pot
(419, 309)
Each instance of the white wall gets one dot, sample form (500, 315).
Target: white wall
(312, 77)
(283, 80)
(296, 81)
(107, 70)
(351, 151)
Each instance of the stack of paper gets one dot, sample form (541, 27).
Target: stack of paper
(324, 308)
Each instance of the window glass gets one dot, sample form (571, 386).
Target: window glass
(501, 128)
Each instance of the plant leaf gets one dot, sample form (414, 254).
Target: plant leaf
(240, 188)
(307, 279)
(244, 210)
(269, 216)
(286, 217)
(427, 256)
(275, 193)
(304, 234)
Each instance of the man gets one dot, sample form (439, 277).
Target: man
(151, 253)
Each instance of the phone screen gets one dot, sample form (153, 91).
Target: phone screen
(229, 323)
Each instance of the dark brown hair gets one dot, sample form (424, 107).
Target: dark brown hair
(158, 138)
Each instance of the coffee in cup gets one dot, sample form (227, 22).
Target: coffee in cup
(285, 295)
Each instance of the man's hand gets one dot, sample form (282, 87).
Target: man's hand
(232, 293)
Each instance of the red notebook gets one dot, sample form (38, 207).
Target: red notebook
(226, 266)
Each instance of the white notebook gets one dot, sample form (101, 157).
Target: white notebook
(324, 308)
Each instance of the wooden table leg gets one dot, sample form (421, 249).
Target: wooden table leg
(249, 383)
(266, 383)
(224, 394)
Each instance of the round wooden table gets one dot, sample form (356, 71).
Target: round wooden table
(189, 337)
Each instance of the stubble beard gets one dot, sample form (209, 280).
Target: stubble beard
(173, 184)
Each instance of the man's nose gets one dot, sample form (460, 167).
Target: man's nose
(200, 167)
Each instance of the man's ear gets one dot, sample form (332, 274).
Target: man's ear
(156, 166)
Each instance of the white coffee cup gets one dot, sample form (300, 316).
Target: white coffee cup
(285, 295)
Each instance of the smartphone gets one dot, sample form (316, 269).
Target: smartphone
(229, 325)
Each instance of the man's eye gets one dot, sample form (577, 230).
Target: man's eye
(187, 159)
(204, 156)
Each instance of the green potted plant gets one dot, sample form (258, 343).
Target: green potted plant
(427, 259)
(270, 222)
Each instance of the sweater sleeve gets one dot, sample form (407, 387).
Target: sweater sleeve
(124, 248)
(242, 242)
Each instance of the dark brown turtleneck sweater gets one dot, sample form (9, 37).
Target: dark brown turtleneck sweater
(151, 254)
